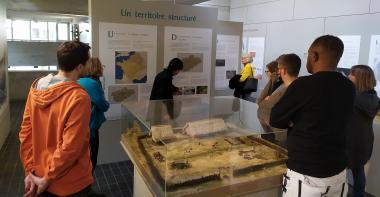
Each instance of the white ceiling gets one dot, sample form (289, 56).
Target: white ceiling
(187, 2)
(79, 7)
(60, 8)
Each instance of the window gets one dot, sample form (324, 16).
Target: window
(28, 32)
(34, 30)
(39, 30)
(21, 30)
(71, 32)
(52, 31)
(63, 31)
(84, 30)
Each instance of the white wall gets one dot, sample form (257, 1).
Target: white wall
(289, 26)
(79, 7)
(297, 42)
(222, 5)
(32, 53)
(363, 25)
(327, 8)
(375, 6)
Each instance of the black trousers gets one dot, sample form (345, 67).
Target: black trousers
(94, 146)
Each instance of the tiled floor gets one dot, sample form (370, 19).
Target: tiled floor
(114, 180)
(11, 170)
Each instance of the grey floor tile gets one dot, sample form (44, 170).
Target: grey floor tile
(104, 188)
(111, 180)
(123, 185)
(126, 193)
(114, 187)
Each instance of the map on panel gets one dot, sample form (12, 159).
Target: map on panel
(130, 67)
(192, 62)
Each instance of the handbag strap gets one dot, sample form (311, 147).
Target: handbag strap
(253, 73)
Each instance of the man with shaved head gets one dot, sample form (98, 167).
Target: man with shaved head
(315, 110)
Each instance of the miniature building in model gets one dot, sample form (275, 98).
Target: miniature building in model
(161, 132)
(205, 127)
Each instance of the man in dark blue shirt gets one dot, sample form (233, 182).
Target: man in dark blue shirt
(316, 109)
(163, 87)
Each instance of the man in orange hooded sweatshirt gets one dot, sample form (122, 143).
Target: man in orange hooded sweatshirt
(55, 131)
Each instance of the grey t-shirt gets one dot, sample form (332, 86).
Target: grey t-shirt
(50, 80)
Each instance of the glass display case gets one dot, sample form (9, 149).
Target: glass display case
(201, 146)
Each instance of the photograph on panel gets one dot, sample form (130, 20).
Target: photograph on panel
(121, 93)
(189, 90)
(220, 62)
(202, 89)
(230, 74)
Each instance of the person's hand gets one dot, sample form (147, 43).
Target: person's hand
(30, 187)
(179, 92)
(41, 183)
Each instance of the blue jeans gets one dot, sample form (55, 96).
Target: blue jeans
(359, 181)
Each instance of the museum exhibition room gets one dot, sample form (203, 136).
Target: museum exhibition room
(177, 98)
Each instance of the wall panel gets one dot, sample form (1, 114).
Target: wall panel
(271, 11)
(324, 8)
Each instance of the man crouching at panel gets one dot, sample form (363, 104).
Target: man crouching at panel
(315, 109)
(288, 67)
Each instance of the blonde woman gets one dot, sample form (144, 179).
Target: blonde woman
(246, 72)
(99, 105)
(360, 135)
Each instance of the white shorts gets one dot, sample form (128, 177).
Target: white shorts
(295, 184)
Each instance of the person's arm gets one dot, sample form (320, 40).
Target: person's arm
(25, 136)
(267, 105)
(264, 93)
(284, 110)
(246, 72)
(97, 97)
(75, 140)
(174, 88)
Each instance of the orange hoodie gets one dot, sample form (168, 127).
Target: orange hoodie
(55, 137)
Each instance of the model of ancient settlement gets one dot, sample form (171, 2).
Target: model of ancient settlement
(203, 154)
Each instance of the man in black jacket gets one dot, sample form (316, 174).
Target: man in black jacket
(316, 109)
(163, 87)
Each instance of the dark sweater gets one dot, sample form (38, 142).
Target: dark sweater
(236, 85)
(360, 135)
(163, 87)
(319, 107)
